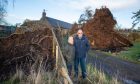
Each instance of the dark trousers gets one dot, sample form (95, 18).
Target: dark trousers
(82, 62)
(69, 66)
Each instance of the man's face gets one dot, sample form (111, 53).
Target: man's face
(70, 40)
(80, 33)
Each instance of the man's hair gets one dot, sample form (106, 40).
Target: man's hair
(80, 29)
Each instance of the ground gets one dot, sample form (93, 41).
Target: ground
(131, 54)
(113, 66)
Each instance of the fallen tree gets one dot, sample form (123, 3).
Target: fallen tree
(34, 49)
(100, 31)
(26, 48)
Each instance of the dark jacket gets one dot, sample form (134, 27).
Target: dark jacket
(81, 46)
(70, 53)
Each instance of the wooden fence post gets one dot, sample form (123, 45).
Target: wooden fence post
(56, 56)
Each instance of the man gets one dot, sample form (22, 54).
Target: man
(70, 52)
(82, 46)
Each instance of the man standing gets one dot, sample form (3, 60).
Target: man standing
(82, 46)
(70, 54)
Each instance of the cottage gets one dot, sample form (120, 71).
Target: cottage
(6, 30)
(58, 24)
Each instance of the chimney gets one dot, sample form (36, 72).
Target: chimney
(43, 15)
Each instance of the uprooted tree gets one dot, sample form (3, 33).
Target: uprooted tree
(28, 45)
(100, 31)
(34, 46)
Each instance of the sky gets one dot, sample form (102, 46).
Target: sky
(70, 10)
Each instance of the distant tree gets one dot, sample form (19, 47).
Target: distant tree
(3, 5)
(3, 11)
(136, 18)
(118, 26)
(138, 28)
(88, 14)
(134, 36)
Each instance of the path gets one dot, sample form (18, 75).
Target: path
(126, 71)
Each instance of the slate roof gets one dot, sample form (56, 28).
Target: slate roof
(55, 23)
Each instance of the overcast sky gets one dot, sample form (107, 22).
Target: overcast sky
(70, 10)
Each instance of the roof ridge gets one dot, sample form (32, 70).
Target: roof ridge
(58, 20)
(55, 22)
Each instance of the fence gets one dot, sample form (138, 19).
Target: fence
(60, 62)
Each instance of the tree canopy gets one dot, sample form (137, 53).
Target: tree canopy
(136, 18)
(3, 4)
(88, 13)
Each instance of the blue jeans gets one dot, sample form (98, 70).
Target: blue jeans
(82, 62)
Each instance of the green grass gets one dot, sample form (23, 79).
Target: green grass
(95, 76)
(99, 77)
(131, 54)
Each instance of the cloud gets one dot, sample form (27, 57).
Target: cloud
(12, 18)
(70, 10)
(114, 4)
(16, 17)
(21, 17)
(81, 4)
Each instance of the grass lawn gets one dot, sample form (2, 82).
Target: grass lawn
(131, 54)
